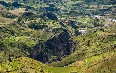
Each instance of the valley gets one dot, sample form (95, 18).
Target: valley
(57, 36)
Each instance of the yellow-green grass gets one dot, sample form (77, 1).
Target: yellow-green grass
(97, 64)
(61, 69)
(22, 65)
(28, 65)
(107, 65)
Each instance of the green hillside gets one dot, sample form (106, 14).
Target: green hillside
(96, 64)
(57, 36)
(91, 44)
(23, 65)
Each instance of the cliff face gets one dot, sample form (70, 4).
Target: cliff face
(54, 49)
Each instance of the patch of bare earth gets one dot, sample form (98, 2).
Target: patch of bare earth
(5, 20)
(18, 11)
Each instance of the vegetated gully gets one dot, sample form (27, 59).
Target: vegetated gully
(54, 49)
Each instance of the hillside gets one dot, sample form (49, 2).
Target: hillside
(104, 63)
(57, 36)
(91, 44)
(97, 64)
(23, 64)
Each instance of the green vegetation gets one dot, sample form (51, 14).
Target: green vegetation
(91, 44)
(57, 36)
(22, 65)
(97, 64)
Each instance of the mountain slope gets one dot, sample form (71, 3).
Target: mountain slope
(89, 45)
(23, 64)
(28, 65)
(69, 36)
(97, 64)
